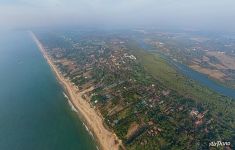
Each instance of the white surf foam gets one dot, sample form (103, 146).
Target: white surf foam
(70, 104)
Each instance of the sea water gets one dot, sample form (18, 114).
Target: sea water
(34, 113)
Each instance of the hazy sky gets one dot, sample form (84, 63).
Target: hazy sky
(202, 14)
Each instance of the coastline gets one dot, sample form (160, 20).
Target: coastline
(107, 140)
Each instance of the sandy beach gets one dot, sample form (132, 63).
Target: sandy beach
(106, 139)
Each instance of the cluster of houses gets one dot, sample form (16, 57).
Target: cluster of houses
(118, 94)
(198, 116)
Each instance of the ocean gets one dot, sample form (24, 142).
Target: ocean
(34, 112)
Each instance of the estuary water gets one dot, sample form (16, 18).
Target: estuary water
(34, 114)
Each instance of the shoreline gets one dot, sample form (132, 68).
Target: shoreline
(106, 139)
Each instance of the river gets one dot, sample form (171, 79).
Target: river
(194, 75)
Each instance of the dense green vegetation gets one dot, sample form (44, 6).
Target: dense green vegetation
(221, 107)
(145, 101)
(168, 75)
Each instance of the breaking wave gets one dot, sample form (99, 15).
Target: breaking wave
(70, 103)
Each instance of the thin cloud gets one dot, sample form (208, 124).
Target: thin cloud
(201, 13)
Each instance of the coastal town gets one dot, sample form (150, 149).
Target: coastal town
(107, 71)
(117, 75)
